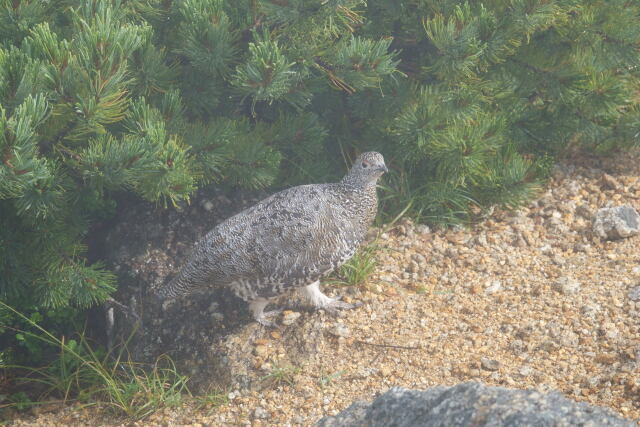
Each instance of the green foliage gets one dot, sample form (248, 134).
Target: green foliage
(94, 377)
(204, 29)
(212, 401)
(495, 89)
(357, 270)
(155, 98)
(469, 102)
(279, 376)
(267, 75)
(362, 63)
(326, 380)
(21, 401)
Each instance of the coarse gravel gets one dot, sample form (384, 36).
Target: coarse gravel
(525, 299)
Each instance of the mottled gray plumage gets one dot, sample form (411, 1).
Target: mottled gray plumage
(288, 240)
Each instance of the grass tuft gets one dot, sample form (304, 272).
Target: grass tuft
(211, 401)
(326, 380)
(357, 270)
(279, 376)
(81, 374)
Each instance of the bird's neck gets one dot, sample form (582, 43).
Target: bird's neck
(358, 181)
(365, 189)
(365, 199)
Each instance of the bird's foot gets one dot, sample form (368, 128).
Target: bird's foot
(332, 305)
(321, 301)
(263, 318)
(257, 307)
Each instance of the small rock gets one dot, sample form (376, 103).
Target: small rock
(616, 223)
(489, 364)
(518, 346)
(260, 413)
(414, 267)
(556, 224)
(492, 287)
(609, 331)
(340, 330)
(569, 339)
(266, 366)
(208, 206)
(289, 317)
(584, 211)
(590, 310)
(545, 249)
(365, 372)
(475, 289)
(567, 285)
(260, 350)
(559, 172)
(567, 207)
(167, 304)
(582, 247)
(525, 371)
(481, 240)
(423, 229)
(634, 294)
(419, 258)
(549, 346)
(609, 182)
(385, 371)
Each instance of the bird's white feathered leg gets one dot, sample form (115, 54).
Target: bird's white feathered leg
(320, 300)
(257, 307)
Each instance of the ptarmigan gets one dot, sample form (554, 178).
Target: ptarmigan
(288, 240)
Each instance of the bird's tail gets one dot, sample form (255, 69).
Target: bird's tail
(169, 289)
(186, 281)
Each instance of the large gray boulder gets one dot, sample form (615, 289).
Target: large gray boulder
(616, 223)
(472, 404)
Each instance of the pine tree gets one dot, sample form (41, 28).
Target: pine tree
(100, 97)
(495, 91)
(468, 101)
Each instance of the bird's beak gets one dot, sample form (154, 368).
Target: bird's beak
(383, 168)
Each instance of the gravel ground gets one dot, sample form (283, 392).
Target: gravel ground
(527, 299)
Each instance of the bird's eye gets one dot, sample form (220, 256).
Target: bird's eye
(365, 164)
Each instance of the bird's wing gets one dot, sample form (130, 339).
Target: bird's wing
(288, 238)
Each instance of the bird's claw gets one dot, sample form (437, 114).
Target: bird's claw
(335, 304)
(264, 320)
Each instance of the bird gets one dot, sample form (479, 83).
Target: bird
(289, 240)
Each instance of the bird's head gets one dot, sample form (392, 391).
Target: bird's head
(367, 168)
